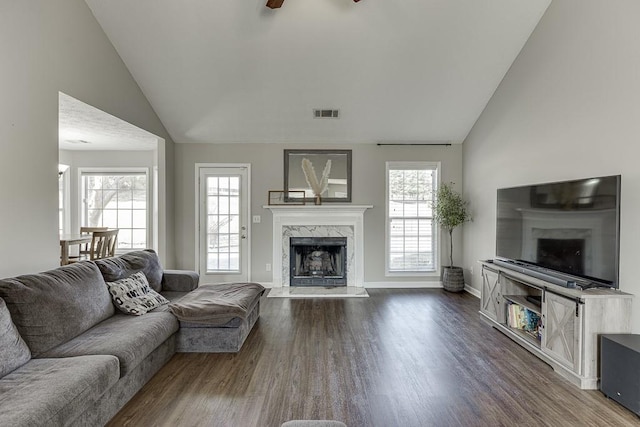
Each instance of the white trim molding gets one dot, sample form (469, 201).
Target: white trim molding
(473, 291)
(417, 285)
(404, 285)
(245, 206)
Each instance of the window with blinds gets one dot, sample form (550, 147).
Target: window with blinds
(411, 232)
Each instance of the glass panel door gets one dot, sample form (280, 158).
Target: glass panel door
(223, 224)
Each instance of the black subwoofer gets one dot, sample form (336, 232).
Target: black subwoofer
(620, 369)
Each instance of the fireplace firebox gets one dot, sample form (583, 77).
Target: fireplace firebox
(318, 261)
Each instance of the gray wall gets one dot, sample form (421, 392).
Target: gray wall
(568, 108)
(267, 163)
(47, 47)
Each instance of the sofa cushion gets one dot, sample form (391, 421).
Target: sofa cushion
(179, 280)
(217, 303)
(125, 265)
(52, 392)
(173, 297)
(13, 350)
(233, 322)
(129, 338)
(52, 307)
(132, 295)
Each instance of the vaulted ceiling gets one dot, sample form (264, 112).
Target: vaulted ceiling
(237, 71)
(82, 127)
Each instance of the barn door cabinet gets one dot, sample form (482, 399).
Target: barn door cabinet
(490, 297)
(570, 320)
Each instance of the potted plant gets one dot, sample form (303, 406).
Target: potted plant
(450, 211)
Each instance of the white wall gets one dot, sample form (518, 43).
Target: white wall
(47, 47)
(568, 108)
(267, 169)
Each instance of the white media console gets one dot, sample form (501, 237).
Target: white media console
(571, 319)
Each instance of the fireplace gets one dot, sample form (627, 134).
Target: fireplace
(328, 220)
(318, 261)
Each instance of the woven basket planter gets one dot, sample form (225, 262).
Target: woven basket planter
(453, 279)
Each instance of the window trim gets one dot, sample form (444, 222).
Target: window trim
(119, 171)
(410, 165)
(65, 210)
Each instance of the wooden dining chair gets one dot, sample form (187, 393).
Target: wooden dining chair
(103, 244)
(86, 248)
(92, 229)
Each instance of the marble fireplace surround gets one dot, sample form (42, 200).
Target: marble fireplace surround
(329, 220)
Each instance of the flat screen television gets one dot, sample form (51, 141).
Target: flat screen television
(569, 230)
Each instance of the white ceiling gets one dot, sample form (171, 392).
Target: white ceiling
(404, 70)
(83, 127)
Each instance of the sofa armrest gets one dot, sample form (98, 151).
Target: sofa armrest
(179, 280)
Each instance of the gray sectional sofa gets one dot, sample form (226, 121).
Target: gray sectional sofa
(68, 357)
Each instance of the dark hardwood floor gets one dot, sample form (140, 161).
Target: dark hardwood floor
(398, 358)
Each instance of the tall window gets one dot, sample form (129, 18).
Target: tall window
(117, 200)
(411, 242)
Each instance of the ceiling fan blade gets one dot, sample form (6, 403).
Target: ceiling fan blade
(274, 4)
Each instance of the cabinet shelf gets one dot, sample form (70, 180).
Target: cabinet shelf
(522, 300)
(527, 336)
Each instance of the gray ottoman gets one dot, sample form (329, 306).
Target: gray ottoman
(216, 318)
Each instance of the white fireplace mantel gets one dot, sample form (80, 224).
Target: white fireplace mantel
(322, 220)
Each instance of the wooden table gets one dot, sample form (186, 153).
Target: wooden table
(67, 240)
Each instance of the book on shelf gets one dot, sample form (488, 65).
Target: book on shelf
(519, 317)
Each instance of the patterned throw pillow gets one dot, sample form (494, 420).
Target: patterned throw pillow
(133, 295)
(13, 350)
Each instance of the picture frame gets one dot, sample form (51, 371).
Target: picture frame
(281, 197)
(339, 188)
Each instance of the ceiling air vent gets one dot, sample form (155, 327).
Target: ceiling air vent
(326, 114)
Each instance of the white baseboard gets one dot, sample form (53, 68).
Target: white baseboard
(386, 285)
(400, 285)
(473, 291)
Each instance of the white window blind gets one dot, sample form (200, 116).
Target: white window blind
(411, 233)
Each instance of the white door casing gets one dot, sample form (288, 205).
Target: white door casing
(222, 225)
